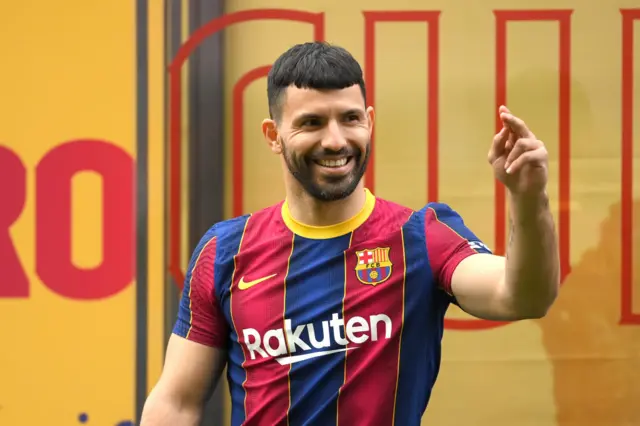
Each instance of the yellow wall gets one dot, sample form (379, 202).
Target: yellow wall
(68, 73)
(577, 366)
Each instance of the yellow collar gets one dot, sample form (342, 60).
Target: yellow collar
(330, 231)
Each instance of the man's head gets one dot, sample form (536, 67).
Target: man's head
(319, 120)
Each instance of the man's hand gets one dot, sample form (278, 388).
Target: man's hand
(525, 283)
(519, 160)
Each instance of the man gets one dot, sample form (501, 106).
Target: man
(328, 308)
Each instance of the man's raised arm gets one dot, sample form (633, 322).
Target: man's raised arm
(525, 283)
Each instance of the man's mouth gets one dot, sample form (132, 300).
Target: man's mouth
(333, 163)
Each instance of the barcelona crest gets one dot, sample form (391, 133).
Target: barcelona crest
(373, 266)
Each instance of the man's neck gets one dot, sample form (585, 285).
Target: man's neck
(310, 211)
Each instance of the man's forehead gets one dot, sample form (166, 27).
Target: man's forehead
(295, 100)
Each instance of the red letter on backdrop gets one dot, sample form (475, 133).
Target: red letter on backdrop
(175, 108)
(627, 316)
(13, 175)
(53, 219)
(563, 17)
(431, 18)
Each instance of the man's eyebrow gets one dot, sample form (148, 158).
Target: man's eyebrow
(306, 116)
(356, 111)
(314, 115)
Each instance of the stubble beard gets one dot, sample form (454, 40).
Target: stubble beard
(331, 189)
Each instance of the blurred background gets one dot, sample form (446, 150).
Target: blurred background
(127, 128)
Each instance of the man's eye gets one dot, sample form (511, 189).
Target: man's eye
(311, 122)
(353, 117)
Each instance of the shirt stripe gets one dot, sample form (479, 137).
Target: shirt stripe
(284, 326)
(195, 265)
(315, 291)
(258, 308)
(372, 364)
(344, 368)
(425, 306)
(404, 281)
(237, 357)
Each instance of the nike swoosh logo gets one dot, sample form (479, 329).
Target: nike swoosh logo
(297, 358)
(243, 285)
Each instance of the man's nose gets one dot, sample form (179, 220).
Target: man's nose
(334, 139)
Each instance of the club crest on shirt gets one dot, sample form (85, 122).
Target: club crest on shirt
(373, 266)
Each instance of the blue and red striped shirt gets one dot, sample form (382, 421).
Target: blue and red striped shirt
(337, 325)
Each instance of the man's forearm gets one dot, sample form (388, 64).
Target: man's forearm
(161, 410)
(532, 274)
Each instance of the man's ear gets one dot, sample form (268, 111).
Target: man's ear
(371, 118)
(270, 132)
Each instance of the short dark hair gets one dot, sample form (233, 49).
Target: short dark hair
(312, 65)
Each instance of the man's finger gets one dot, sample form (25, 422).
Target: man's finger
(504, 109)
(513, 138)
(521, 146)
(516, 125)
(498, 145)
(535, 158)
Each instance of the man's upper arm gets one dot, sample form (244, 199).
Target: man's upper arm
(200, 318)
(462, 264)
(197, 350)
(196, 353)
(190, 371)
(189, 374)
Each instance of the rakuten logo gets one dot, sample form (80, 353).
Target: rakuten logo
(274, 343)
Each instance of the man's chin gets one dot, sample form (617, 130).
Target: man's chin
(333, 192)
(329, 188)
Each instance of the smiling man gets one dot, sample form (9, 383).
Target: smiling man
(328, 307)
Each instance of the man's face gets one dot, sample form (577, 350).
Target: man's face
(325, 139)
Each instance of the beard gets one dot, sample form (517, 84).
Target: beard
(327, 188)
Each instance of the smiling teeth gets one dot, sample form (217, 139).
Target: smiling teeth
(333, 163)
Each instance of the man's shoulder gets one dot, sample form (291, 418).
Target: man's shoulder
(229, 230)
(229, 226)
(437, 207)
(392, 211)
(416, 220)
(430, 210)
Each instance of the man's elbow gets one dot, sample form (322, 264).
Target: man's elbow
(534, 312)
(536, 307)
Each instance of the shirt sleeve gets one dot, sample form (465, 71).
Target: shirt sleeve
(449, 241)
(200, 317)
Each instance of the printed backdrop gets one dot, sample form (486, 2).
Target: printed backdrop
(67, 164)
(436, 73)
